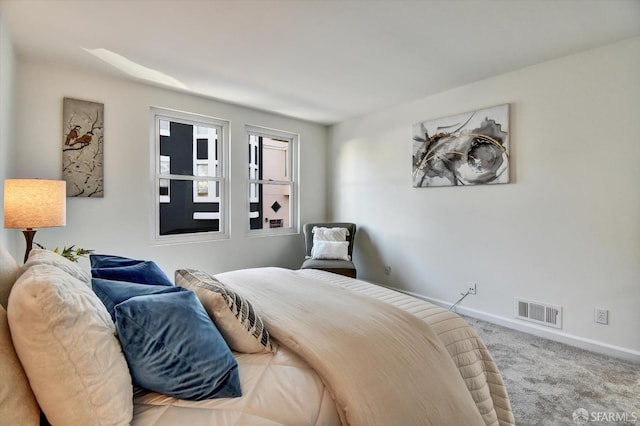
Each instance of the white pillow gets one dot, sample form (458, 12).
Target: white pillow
(329, 234)
(330, 250)
(48, 257)
(66, 342)
(18, 405)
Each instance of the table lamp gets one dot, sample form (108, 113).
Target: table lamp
(34, 203)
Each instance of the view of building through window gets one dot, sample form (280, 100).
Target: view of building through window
(192, 198)
(270, 182)
(189, 176)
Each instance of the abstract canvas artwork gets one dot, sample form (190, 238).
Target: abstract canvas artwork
(83, 148)
(471, 148)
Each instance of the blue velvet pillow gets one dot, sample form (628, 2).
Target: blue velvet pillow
(112, 292)
(110, 261)
(124, 269)
(173, 347)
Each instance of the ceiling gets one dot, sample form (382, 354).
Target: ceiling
(322, 61)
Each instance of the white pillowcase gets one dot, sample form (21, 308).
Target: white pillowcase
(330, 250)
(48, 257)
(329, 234)
(66, 342)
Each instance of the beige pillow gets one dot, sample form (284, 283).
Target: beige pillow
(329, 234)
(66, 342)
(18, 406)
(48, 257)
(234, 316)
(8, 272)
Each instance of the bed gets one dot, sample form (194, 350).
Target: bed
(341, 351)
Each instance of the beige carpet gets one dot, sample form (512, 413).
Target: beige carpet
(550, 383)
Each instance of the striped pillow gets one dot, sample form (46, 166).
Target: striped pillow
(234, 316)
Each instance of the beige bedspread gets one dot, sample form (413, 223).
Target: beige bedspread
(467, 350)
(382, 365)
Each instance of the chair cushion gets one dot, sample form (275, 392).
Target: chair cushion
(342, 267)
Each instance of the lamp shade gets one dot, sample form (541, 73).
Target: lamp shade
(34, 203)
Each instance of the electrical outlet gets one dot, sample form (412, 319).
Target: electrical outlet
(387, 270)
(602, 316)
(471, 288)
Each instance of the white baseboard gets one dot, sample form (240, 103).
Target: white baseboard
(551, 334)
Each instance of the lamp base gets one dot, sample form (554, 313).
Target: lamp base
(29, 234)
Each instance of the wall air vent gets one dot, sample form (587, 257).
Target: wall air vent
(540, 313)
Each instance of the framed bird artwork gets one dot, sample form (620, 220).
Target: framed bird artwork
(83, 147)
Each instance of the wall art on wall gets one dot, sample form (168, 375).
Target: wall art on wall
(471, 148)
(83, 148)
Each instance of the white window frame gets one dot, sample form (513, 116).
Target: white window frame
(222, 164)
(292, 165)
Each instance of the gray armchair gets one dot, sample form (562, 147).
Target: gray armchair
(342, 267)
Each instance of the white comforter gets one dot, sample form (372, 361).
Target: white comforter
(382, 365)
(278, 389)
(282, 388)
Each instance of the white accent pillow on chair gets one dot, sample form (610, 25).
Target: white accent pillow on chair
(329, 234)
(330, 250)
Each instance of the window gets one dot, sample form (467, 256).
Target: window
(272, 180)
(190, 178)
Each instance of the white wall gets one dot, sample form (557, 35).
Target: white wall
(120, 223)
(7, 64)
(565, 231)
